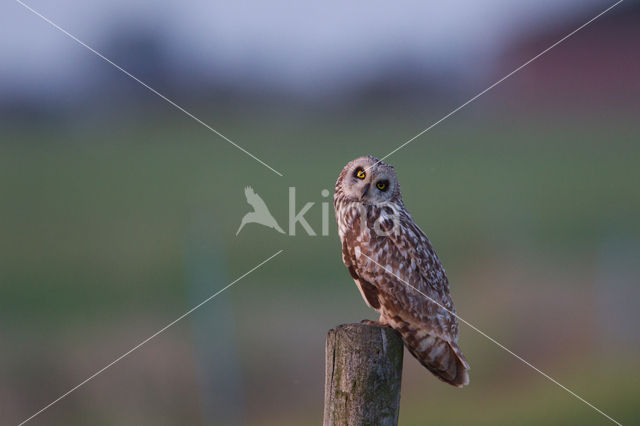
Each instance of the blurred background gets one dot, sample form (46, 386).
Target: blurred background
(118, 212)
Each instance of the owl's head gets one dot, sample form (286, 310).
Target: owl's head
(369, 181)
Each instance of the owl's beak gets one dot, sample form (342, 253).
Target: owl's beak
(366, 189)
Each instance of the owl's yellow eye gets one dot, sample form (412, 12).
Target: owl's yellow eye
(382, 185)
(360, 173)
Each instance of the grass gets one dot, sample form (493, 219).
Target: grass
(104, 216)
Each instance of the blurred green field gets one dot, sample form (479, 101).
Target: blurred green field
(95, 221)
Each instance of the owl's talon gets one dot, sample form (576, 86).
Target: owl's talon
(376, 323)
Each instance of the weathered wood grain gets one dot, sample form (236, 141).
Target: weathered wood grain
(362, 376)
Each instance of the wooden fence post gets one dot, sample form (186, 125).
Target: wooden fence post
(362, 375)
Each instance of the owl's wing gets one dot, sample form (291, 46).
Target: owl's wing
(369, 291)
(412, 261)
(429, 331)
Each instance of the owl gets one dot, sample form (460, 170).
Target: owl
(384, 250)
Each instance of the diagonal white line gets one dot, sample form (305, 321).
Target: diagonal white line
(163, 329)
(499, 81)
(151, 89)
(500, 345)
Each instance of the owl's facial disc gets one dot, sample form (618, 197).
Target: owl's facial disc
(369, 181)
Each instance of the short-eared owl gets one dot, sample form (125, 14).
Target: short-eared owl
(378, 233)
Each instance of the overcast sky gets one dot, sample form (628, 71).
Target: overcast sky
(287, 43)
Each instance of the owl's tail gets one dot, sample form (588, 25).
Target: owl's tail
(444, 359)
